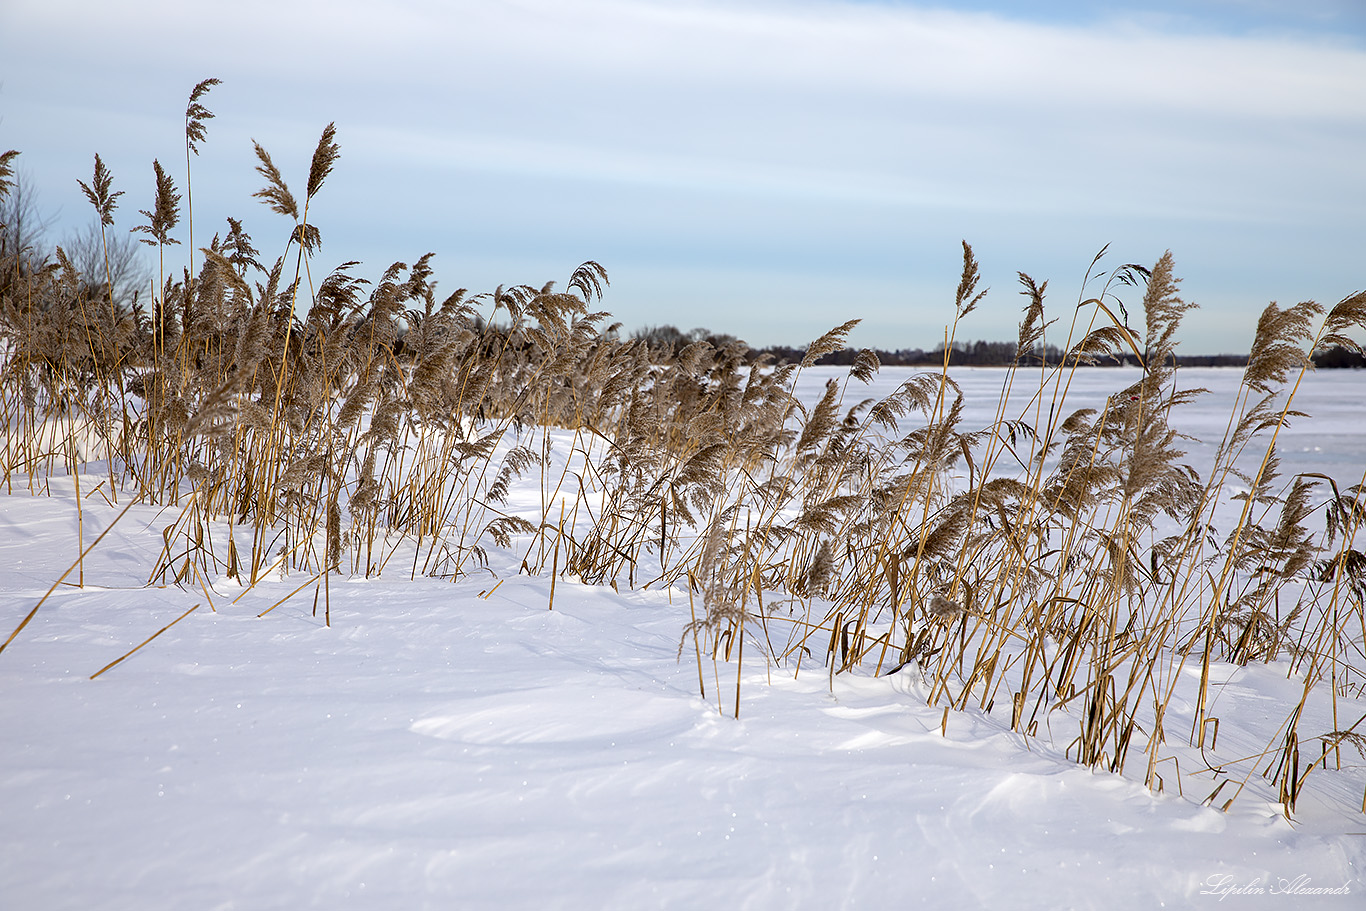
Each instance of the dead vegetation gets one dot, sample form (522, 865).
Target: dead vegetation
(1056, 561)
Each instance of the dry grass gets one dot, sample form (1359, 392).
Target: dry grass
(1053, 564)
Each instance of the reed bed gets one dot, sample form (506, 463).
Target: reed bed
(1057, 564)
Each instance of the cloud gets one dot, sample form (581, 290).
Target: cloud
(830, 100)
(902, 51)
(736, 129)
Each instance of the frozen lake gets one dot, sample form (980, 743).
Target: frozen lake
(1330, 440)
(457, 744)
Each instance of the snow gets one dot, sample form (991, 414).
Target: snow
(460, 745)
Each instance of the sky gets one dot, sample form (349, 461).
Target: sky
(763, 168)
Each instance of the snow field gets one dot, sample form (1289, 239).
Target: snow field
(456, 744)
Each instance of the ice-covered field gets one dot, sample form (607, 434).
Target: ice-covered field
(1332, 439)
(458, 745)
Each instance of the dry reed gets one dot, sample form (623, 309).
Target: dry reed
(1055, 564)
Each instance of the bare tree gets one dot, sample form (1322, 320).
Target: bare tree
(128, 272)
(23, 230)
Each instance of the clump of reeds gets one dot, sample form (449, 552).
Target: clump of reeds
(1057, 563)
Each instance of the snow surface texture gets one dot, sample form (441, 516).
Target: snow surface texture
(453, 745)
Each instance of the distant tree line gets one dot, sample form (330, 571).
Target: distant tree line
(991, 354)
(1339, 357)
(961, 354)
(669, 341)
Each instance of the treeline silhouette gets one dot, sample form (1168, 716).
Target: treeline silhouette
(669, 341)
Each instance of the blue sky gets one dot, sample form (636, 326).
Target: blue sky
(757, 167)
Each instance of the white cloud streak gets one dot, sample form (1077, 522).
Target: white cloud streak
(839, 107)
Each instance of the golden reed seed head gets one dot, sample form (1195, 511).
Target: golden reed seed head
(943, 609)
